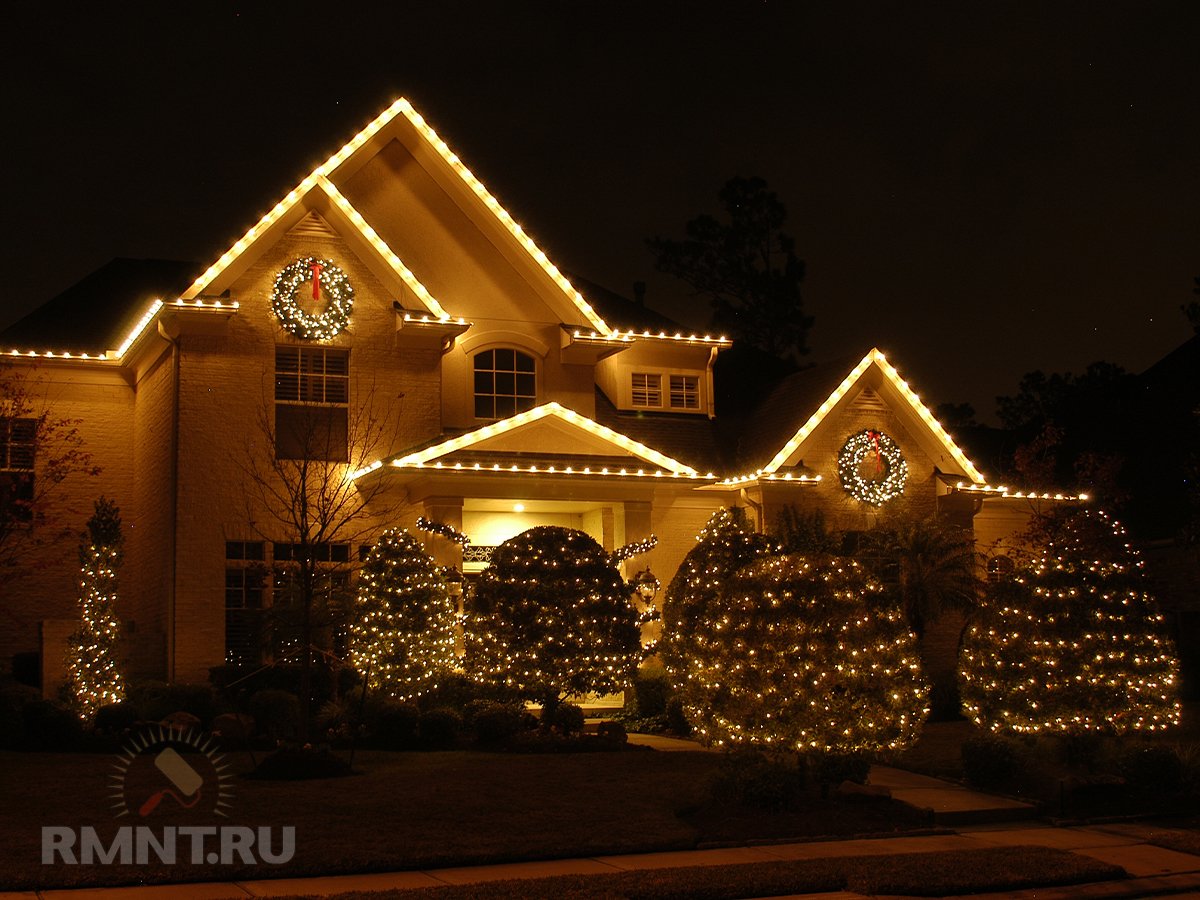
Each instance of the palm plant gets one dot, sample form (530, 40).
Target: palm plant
(936, 567)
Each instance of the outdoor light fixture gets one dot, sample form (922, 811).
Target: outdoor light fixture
(646, 585)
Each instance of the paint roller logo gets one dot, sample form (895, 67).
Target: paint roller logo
(163, 770)
(180, 774)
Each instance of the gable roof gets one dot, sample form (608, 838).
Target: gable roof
(807, 398)
(558, 433)
(317, 193)
(352, 155)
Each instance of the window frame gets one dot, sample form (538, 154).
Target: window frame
(522, 400)
(311, 399)
(688, 390)
(17, 474)
(649, 392)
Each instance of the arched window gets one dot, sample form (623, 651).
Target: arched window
(505, 383)
(999, 568)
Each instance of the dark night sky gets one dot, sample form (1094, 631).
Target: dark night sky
(980, 189)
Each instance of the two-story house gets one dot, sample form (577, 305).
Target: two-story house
(392, 307)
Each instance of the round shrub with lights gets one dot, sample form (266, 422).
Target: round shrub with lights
(552, 616)
(402, 635)
(696, 595)
(807, 655)
(1073, 642)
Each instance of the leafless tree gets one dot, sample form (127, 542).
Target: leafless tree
(297, 464)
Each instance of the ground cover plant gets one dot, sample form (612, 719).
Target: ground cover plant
(915, 874)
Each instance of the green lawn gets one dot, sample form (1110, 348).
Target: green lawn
(410, 810)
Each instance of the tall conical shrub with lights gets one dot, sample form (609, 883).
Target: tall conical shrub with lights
(807, 655)
(696, 595)
(402, 635)
(552, 616)
(1073, 643)
(93, 670)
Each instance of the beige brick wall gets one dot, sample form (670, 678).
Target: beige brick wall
(226, 387)
(99, 404)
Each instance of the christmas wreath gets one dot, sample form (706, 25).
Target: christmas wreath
(327, 280)
(872, 468)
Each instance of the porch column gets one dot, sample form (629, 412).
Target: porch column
(448, 511)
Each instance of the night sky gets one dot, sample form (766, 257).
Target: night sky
(980, 189)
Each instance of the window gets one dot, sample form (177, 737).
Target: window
(337, 553)
(999, 568)
(647, 390)
(505, 383)
(312, 390)
(333, 598)
(685, 392)
(245, 579)
(18, 447)
(263, 599)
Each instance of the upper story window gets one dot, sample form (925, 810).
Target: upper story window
(647, 390)
(505, 383)
(685, 392)
(680, 392)
(18, 448)
(312, 390)
(312, 375)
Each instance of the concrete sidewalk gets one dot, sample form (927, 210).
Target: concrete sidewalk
(1154, 871)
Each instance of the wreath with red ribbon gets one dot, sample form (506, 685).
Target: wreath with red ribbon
(872, 468)
(328, 280)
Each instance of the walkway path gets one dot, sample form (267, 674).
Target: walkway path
(1154, 871)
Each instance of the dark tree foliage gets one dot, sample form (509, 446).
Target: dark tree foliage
(552, 616)
(746, 266)
(1061, 397)
(802, 531)
(1065, 432)
(1191, 311)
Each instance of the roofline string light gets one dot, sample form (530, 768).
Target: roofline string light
(1002, 491)
(422, 458)
(138, 329)
(630, 336)
(876, 357)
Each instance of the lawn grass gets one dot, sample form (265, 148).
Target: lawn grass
(419, 810)
(915, 874)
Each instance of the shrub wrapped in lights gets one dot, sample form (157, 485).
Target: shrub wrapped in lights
(93, 676)
(403, 632)
(807, 655)
(1073, 643)
(552, 616)
(696, 595)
